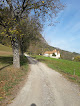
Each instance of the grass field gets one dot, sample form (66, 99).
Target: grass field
(10, 77)
(4, 50)
(71, 69)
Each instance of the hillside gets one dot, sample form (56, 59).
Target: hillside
(39, 47)
(4, 50)
(66, 54)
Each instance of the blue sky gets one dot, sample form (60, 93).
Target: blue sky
(66, 33)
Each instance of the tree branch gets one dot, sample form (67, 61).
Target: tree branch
(33, 7)
(23, 3)
(10, 5)
(24, 6)
(2, 24)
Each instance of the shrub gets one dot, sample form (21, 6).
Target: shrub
(77, 58)
(53, 54)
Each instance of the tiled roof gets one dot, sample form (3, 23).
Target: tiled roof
(51, 52)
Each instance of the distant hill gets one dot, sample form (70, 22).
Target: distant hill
(66, 54)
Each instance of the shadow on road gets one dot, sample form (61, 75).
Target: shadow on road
(33, 104)
(32, 60)
(6, 61)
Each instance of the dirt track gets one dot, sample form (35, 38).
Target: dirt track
(46, 87)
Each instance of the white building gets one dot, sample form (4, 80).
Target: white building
(52, 54)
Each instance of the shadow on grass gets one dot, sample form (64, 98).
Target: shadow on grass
(41, 60)
(6, 61)
(4, 67)
(23, 60)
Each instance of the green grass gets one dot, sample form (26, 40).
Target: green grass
(64, 66)
(5, 48)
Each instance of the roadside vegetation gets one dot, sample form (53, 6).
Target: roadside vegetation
(10, 77)
(69, 69)
(77, 58)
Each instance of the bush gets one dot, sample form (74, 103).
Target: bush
(77, 58)
(53, 54)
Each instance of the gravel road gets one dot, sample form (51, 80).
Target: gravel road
(46, 87)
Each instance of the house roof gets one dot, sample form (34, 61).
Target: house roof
(51, 52)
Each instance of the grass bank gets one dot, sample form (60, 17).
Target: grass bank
(70, 69)
(10, 77)
(4, 50)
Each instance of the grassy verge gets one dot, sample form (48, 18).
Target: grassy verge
(70, 69)
(10, 77)
(5, 48)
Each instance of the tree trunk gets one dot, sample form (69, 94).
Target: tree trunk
(22, 54)
(16, 57)
(21, 49)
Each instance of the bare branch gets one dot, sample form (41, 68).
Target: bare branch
(10, 5)
(33, 7)
(23, 3)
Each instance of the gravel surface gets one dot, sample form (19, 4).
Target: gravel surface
(46, 87)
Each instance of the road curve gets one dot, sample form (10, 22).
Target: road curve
(46, 87)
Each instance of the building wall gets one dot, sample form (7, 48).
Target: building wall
(47, 55)
(58, 55)
(50, 55)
